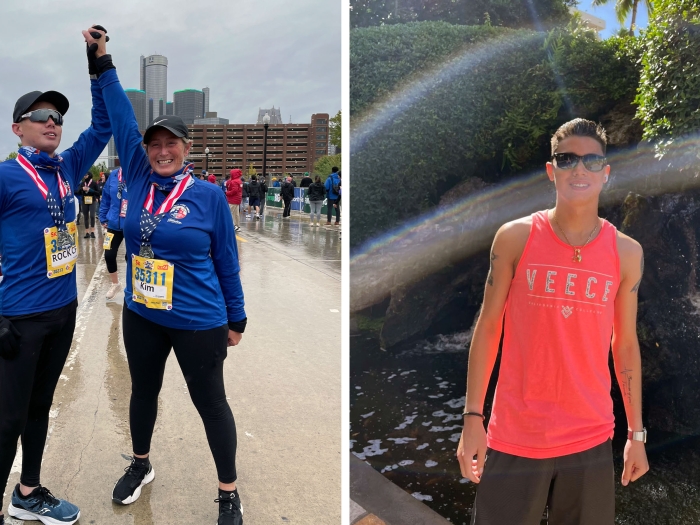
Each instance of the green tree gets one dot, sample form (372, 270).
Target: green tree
(322, 166)
(507, 13)
(13, 154)
(335, 127)
(624, 7)
(98, 168)
(250, 171)
(668, 97)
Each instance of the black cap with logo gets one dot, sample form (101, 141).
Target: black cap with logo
(172, 123)
(25, 102)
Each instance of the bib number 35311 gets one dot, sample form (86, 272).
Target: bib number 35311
(152, 282)
(61, 250)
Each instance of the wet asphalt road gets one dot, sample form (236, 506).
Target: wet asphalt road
(282, 381)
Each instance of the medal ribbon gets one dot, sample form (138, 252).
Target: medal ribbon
(150, 221)
(121, 185)
(55, 209)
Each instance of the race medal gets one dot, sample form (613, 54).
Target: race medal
(146, 250)
(122, 210)
(65, 239)
(107, 244)
(87, 200)
(152, 282)
(61, 250)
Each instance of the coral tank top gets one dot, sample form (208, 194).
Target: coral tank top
(553, 391)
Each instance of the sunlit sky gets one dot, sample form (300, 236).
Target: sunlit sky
(607, 13)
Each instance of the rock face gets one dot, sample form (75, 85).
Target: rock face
(668, 228)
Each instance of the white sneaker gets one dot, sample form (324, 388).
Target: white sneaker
(113, 290)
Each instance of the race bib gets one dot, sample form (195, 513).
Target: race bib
(107, 244)
(61, 250)
(122, 210)
(87, 200)
(152, 282)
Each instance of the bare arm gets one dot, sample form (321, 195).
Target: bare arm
(507, 247)
(626, 354)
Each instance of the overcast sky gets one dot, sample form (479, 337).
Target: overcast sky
(251, 54)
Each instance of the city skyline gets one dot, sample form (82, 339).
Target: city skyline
(249, 56)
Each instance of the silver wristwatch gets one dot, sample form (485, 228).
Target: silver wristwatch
(638, 436)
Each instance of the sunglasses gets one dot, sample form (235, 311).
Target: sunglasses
(42, 115)
(591, 161)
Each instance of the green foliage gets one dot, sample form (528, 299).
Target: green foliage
(323, 165)
(507, 13)
(11, 156)
(624, 7)
(669, 91)
(489, 114)
(98, 168)
(381, 58)
(336, 129)
(250, 171)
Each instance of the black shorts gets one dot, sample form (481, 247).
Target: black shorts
(254, 201)
(577, 489)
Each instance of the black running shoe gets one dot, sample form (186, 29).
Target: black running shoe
(128, 488)
(230, 508)
(92, 234)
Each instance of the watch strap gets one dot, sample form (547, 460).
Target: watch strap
(637, 436)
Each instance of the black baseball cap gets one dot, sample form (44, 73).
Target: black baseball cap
(27, 101)
(172, 123)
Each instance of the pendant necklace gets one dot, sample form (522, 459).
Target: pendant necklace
(577, 250)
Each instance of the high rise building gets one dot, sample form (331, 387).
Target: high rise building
(154, 81)
(291, 148)
(137, 98)
(189, 104)
(206, 100)
(211, 117)
(275, 115)
(169, 108)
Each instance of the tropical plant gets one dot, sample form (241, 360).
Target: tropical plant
(624, 7)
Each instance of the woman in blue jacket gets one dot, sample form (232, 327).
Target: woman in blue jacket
(183, 290)
(112, 214)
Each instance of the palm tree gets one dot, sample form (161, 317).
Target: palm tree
(623, 8)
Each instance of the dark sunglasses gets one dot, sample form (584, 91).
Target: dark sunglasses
(42, 115)
(591, 161)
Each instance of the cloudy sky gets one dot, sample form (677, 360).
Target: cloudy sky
(251, 54)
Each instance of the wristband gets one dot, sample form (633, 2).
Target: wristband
(482, 416)
(238, 326)
(104, 63)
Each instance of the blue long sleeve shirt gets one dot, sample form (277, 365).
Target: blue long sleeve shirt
(196, 236)
(111, 205)
(25, 288)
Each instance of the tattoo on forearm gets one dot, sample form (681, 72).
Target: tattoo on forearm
(490, 277)
(626, 384)
(635, 288)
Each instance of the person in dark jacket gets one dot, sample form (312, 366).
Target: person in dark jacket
(316, 194)
(254, 191)
(287, 192)
(263, 194)
(88, 190)
(306, 181)
(245, 198)
(112, 214)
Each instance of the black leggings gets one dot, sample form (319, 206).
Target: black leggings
(89, 210)
(27, 385)
(201, 355)
(111, 254)
(330, 207)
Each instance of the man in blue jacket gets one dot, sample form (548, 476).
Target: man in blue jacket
(38, 295)
(112, 214)
(333, 191)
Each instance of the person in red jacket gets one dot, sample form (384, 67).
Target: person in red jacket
(234, 193)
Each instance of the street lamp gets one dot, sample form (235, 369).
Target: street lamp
(206, 162)
(266, 123)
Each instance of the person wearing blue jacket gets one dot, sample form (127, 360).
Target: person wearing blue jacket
(38, 293)
(332, 187)
(112, 214)
(183, 290)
